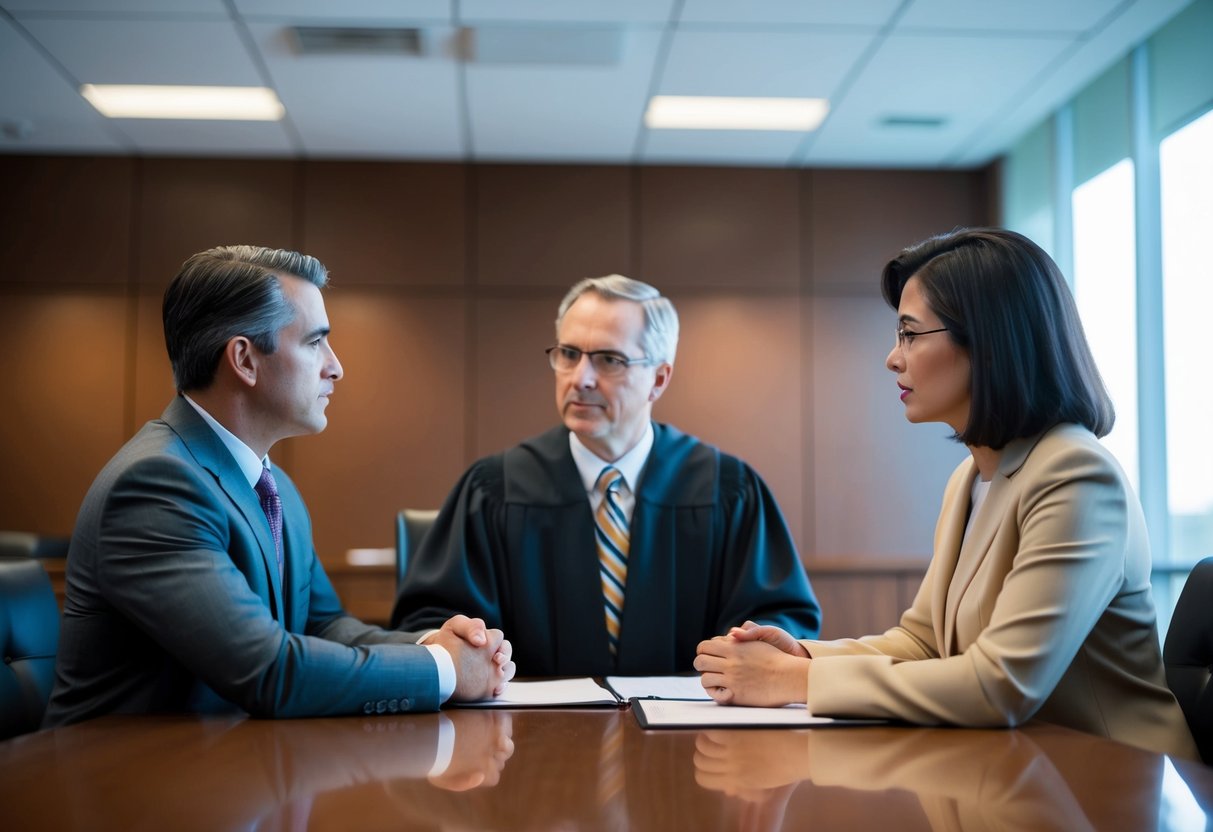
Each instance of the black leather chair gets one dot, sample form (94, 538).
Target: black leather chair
(29, 638)
(411, 526)
(1188, 655)
(28, 544)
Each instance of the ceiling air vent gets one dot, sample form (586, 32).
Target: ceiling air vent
(342, 40)
(921, 122)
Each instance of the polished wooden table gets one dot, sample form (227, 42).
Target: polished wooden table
(574, 770)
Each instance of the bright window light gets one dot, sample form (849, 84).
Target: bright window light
(1105, 289)
(1186, 169)
(218, 103)
(683, 112)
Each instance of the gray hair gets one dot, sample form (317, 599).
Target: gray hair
(225, 292)
(660, 337)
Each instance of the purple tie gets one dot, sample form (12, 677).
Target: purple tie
(271, 504)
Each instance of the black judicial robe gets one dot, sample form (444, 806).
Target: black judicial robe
(514, 545)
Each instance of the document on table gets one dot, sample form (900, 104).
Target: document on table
(669, 713)
(555, 693)
(657, 687)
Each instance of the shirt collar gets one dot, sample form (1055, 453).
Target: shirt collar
(245, 458)
(590, 465)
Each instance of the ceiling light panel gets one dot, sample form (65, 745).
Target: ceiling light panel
(683, 112)
(184, 102)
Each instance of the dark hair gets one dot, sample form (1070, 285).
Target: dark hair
(224, 292)
(1003, 299)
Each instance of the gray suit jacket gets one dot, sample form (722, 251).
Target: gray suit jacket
(174, 602)
(1043, 610)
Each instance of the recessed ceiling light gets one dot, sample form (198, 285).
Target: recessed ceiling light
(685, 112)
(219, 103)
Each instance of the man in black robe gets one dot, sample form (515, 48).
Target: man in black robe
(612, 544)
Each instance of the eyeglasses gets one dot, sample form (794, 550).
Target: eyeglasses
(906, 337)
(604, 362)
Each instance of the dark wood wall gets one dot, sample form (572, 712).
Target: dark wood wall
(445, 281)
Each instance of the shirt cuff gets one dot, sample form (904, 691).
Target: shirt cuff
(446, 671)
(426, 636)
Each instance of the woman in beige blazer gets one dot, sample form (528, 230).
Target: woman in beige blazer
(1036, 603)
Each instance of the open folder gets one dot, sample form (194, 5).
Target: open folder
(670, 713)
(586, 693)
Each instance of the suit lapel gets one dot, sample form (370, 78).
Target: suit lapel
(969, 553)
(210, 453)
(948, 537)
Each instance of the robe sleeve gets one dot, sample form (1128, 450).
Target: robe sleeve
(764, 579)
(455, 570)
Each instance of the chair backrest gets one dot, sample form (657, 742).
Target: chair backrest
(30, 545)
(411, 526)
(1188, 655)
(29, 639)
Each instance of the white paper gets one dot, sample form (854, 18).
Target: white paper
(554, 693)
(658, 687)
(675, 714)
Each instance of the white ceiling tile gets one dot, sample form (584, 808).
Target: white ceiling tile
(563, 113)
(1081, 67)
(760, 63)
(371, 105)
(44, 103)
(148, 51)
(963, 80)
(1069, 17)
(208, 138)
(150, 8)
(721, 147)
(349, 12)
(474, 12)
(795, 12)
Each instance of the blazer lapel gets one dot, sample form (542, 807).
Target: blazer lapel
(970, 552)
(949, 535)
(210, 453)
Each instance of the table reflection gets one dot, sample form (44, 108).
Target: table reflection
(592, 769)
(961, 779)
(134, 772)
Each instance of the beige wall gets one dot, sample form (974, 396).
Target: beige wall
(445, 283)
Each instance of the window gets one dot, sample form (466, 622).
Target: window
(1105, 279)
(1186, 186)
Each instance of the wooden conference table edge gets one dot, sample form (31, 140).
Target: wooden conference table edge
(124, 771)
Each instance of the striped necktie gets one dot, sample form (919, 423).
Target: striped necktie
(612, 535)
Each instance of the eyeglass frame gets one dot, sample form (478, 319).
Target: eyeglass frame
(903, 334)
(625, 361)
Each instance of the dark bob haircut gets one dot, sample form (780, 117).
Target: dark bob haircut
(1003, 300)
(225, 292)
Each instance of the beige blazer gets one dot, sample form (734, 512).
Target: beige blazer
(1043, 611)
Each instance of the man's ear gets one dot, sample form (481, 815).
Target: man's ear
(241, 358)
(662, 380)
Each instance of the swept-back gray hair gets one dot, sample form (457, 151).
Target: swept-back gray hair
(660, 337)
(224, 292)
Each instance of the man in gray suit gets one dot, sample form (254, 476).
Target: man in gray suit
(192, 580)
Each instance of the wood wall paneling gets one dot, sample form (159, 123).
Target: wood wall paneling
(551, 225)
(719, 227)
(386, 224)
(514, 387)
(736, 385)
(66, 221)
(395, 436)
(153, 382)
(63, 417)
(878, 479)
(854, 605)
(190, 205)
(860, 219)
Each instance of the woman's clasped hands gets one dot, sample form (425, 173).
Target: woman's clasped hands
(754, 664)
